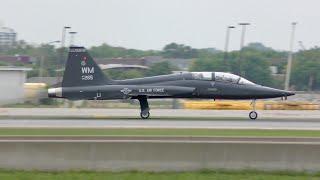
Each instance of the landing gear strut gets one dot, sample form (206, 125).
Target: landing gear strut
(253, 114)
(144, 106)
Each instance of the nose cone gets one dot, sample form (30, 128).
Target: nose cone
(289, 93)
(268, 92)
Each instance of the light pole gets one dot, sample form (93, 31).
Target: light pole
(72, 37)
(244, 27)
(289, 63)
(63, 39)
(226, 46)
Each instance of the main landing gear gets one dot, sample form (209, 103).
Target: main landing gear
(253, 114)
(144, 106)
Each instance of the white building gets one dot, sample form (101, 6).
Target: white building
(12, 81)
(7, 37)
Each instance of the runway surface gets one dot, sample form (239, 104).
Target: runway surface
(88, 113)
(167, 123)
(175, 139)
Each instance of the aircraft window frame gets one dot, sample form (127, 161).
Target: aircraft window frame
(205, 76)
(226, 77)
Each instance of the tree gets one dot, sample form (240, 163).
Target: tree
(118, 74)
(174, 50)
(160, 68)
(254, 65)
(306, 70)
(107, 51)
(258, 47)
(256, 68)
(213, 62)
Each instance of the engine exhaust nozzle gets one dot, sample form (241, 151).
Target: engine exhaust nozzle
(55, 92)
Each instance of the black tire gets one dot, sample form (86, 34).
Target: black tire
(253, 115)
(145, 115)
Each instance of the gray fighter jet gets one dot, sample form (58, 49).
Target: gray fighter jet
(84, 80)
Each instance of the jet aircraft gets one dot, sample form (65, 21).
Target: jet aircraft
(84, 80)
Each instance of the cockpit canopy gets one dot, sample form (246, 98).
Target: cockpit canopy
(220, 76)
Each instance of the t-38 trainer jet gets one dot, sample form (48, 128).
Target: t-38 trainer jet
(84, 80)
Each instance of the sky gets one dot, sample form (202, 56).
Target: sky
(151, 24)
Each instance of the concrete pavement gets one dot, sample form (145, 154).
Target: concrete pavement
(155, 155)
(80, 113)
(168, 123)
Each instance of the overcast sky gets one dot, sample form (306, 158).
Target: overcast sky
(151, 24)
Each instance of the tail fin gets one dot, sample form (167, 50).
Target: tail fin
(81, 70)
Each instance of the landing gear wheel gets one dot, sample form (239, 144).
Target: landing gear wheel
(144, 115)
(253, 115)
(144, 106)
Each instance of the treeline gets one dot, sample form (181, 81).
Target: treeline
(252, 62)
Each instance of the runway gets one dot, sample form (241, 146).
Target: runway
(173, 139)
(167, 123)
(88, 113)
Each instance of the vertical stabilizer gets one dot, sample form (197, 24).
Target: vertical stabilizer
(81, 70)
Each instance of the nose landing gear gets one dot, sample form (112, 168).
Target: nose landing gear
(253, 114)
(144, 106)
(144, 115)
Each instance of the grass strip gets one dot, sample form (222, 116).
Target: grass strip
(197, 175)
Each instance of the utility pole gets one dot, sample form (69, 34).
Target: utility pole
(244, 26)
(289, 63)
(226, 46)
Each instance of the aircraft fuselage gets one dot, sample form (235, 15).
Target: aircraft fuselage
(170, 86)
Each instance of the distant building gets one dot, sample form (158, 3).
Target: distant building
(273, 70)
(12, 84)
(16, 59)
(7, 37)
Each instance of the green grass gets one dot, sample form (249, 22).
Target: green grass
(156, 132)
(201, 175)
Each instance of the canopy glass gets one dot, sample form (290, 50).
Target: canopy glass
(220, 76)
